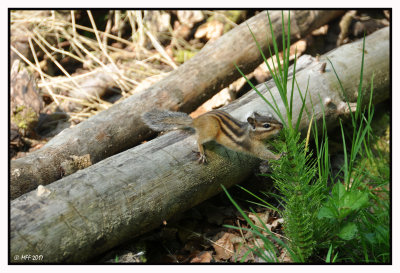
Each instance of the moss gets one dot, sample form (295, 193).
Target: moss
(183, 55)
(233, 15)
(25, 117)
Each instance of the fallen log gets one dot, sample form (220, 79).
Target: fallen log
(119, 128)
(123, 196)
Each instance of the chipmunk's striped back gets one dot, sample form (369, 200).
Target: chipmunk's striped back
(227, 126)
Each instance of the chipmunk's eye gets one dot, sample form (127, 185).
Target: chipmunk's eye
(267, 125)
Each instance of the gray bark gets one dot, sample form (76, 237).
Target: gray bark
(123, 196)
(119, 128)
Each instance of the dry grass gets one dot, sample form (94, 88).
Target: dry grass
(128, 61)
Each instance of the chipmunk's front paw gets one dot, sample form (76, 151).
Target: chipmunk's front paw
(202, 159)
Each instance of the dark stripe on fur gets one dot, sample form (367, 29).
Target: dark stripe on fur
(238, 123)
(223, 122)
(227, 121)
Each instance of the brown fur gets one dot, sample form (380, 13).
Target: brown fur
(247, 137)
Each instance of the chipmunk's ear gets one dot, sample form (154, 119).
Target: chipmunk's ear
(256, 115)
(252, 122)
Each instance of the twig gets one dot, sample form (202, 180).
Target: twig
(161, 50)
(41, 72)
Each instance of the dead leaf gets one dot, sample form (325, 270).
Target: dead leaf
(240, 251)
(320, 31)
(202, 257)
(272, 223)
(224, 247)
(261, 73)
(259, 243)
(284, 257)
(259, 218)
(211, 30)
(275, 223)
(190, 17)
(344, 26)
(268, 254)
(181, 30)
(298, 47)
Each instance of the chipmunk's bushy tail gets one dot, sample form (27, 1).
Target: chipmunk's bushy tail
(163, 120)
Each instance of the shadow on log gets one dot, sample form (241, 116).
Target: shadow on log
(130, 193)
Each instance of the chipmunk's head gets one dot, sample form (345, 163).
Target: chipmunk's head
(264, 127)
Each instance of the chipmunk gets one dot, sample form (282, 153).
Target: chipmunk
(246, 137)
